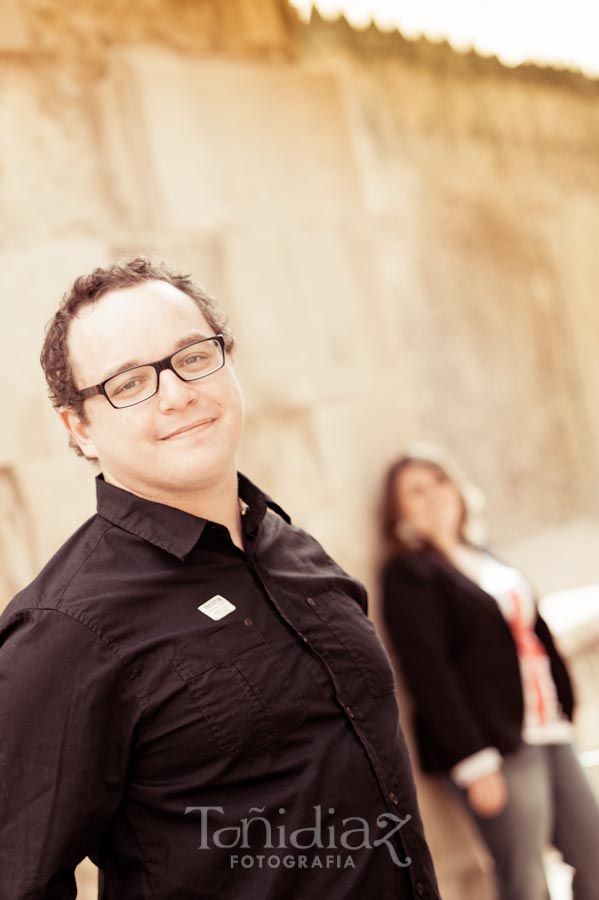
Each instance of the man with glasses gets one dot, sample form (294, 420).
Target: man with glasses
(190, 691)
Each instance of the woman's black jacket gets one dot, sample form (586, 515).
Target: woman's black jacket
(459, 662)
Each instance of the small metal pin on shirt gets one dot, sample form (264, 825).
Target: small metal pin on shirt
(217, 607)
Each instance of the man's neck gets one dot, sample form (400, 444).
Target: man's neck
(220, 505)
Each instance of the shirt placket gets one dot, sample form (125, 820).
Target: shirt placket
(350, 706)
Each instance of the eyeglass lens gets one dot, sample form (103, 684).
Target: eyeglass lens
(135, 385)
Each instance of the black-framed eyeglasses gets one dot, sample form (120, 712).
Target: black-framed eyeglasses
(139, 383)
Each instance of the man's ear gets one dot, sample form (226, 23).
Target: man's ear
(79, 431)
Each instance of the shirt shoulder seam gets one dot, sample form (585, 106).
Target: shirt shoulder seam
(123, 660)
(83, 561)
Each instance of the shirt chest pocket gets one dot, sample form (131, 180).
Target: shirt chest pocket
(348, 629)
(240, 688)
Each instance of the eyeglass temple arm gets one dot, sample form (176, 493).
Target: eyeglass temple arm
(91, 391)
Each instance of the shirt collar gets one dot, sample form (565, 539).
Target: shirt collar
(170, 528)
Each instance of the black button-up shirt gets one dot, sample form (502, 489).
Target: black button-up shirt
(200, 721)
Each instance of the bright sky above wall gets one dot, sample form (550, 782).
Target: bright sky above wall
(548, 32)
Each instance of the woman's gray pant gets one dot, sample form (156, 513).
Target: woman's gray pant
(550, 801)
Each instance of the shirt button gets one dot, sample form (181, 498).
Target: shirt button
(349, 711)
(393, 798)
(248, 621)
(419, 888)
(310, 601)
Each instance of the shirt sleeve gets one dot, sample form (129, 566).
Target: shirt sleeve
(485, 762)
(66, 718)
(417, 634)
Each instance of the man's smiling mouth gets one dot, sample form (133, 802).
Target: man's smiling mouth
(193, 426)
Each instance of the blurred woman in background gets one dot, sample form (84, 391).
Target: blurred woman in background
(492, 698)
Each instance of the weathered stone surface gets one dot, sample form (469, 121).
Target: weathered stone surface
(303, 308)
(232, 142)
(287, 434)
(541, 555)
(54, 477)
(32, 282)
(124, 164)
(197, 253)
(13, 27)
(253, 25)
(17, 555)
(35, 518)
(49, 184)
(574, 242)
(463, 866)
(80, 33)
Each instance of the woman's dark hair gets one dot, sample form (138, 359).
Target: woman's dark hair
(398, 540)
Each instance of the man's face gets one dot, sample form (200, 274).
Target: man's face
(135, 446)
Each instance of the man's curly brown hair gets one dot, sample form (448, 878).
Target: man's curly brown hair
(86, 289)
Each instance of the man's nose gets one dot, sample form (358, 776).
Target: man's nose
(173, 392)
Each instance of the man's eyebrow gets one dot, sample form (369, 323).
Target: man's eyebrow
(131, 363)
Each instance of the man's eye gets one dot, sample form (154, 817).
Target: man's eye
(128, 386)
(195, 359)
